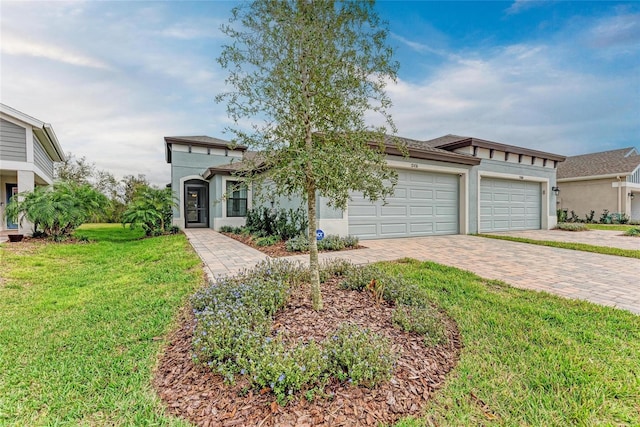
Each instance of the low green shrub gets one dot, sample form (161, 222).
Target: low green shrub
(283, 223)
(635, 231)
(360, 356)
(396, 289)
(571, 226)
(287, 370)
(300, 243)
(267, 241)
(423, 320)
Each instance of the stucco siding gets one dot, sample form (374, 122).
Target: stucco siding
(584, 196)
(41, 158)
(13, 142)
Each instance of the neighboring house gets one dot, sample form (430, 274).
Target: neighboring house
(28, 150)
(449, 185)
(597, 181)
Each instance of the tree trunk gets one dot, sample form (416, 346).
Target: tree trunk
(314, 267)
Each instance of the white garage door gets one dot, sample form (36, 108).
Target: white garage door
(423, 204)
(509, 205)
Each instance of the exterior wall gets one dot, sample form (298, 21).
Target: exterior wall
(185, 166)
(13, 142)
(597, 195)
(517, 171)
(42, 159)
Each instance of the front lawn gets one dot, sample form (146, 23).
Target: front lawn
(81, 326)
(610, 227)
(531, 358)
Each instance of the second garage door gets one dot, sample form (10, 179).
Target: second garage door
(423, 204)
(509, 205)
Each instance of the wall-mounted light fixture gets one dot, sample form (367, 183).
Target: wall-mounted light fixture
(556, 190)
(632, 195)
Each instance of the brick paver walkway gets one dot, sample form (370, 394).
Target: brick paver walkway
(614, 239)
(603, 279)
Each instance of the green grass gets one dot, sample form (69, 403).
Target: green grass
(606, 250)
(529, 358)
(81, 326)
(610, 227)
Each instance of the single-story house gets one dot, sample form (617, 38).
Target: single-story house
(606, 180)
(28, 150)
(448, 185)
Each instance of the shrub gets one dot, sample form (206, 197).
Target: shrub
(57, 210)
(287, 370)
(561, 214)
(424, 320)
(589, 217)
(566, 226)
(227, 229)
(267, 241)
(635, 231)
(283, 223)
(151, 209)
(360, 356)
(605, 217)
(331, 242)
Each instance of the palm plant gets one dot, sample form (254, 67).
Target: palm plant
(57, 210)
(151, 210)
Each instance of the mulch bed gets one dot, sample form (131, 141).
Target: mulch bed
(274, 251)
(193, 392)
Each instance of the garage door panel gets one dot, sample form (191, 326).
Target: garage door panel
(393, 211)
(393, 228)
(509, 205)
(424, 203)
(420, 194)
(421, 210)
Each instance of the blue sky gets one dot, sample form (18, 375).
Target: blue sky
(115, 77)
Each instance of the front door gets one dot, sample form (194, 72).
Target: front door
(12, 190)
(196, 207)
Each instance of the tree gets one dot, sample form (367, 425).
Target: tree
(308, 72)
(56, 211)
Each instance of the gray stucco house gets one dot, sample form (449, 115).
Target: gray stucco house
(448, 185)
(605, 180)
(28, 150)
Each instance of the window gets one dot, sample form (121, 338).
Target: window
(236, 198)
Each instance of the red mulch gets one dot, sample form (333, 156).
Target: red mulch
(195, 393)
(274, 251)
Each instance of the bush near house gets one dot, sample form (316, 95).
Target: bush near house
(151, 211)
(57, 210)
(569, 226)
(564, 216)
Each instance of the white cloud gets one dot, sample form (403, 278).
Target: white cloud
(12, 45)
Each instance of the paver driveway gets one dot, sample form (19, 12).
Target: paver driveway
(613, 239)
(603, 279)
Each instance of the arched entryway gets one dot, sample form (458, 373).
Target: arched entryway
(196, 203)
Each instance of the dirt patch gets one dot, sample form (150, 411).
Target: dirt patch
(275, 251)
(195, 393)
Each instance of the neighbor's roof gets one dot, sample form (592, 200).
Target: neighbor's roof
(452, 142)
(234, 165)
(44, 132)
(200, 141)
(605, 163)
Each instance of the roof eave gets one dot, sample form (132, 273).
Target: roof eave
(230, 146)
(502, 147)
(594, 177)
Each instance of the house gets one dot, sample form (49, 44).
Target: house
(28, 150)
(606, 180)
(448, 185)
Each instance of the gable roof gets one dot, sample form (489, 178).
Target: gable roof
(420, 150)
(621, 162)
(44, 132)
(453, 142)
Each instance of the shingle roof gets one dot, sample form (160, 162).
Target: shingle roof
(622, 161)
(447, 139)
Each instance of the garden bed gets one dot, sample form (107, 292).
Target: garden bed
(276, 250)
(194, 392)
